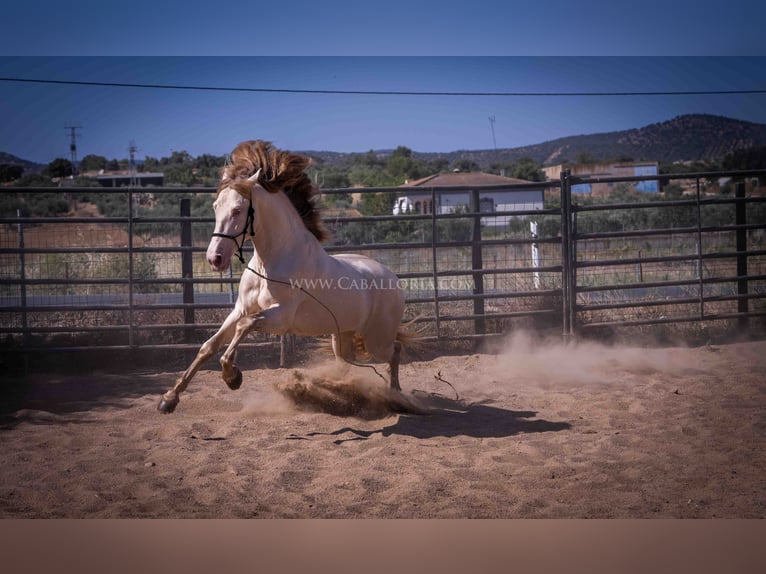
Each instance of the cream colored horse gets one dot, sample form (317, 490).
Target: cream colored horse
(291, 285)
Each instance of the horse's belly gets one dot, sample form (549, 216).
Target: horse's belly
(331, 311)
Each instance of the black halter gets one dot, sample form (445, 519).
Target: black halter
(248, 224)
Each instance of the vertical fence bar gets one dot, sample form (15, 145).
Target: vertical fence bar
(572, 288)
(477, 264)
(565, 260)
(742, 288)
(434, 258)
(187, 269)
(700, 270)
(131, 284)
(23, 286)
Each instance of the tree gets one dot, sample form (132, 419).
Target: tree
(59, 167)
(151, 164)
(466, 165)
(35, 180)
(178, 157)
(750, 158)
(10, 172)
(93, 162)
(401, 166)
(585, 157)
(527, 168)
(208, 161)
(179, 174)
(377, 203)
(329, 177)
(438, 165)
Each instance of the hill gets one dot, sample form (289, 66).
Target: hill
(29, 166)
(693, 137)
(684, 138)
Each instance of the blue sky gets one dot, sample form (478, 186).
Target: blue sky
(507, 49)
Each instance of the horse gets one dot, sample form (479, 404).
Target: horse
(291, 284)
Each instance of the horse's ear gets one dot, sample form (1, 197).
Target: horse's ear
(255, 176)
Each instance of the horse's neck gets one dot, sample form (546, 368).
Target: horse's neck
(280, 233)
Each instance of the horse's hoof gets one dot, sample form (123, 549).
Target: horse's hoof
(167, 406)
(236, 382)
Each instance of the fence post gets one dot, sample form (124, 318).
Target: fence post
(131, 269)
(477, 264)
(434, 260)
(572, 289)
(566, 219)
(700, 268)
(23, 293)
(741, 220)
(187, 268)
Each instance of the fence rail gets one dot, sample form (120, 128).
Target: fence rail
(135, 279)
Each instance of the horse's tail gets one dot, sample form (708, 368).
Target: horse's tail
(411, 338)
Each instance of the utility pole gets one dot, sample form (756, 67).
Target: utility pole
(492, 127)
(73, 145)
(132, 149)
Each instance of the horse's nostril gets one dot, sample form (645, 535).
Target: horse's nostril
(216, 260)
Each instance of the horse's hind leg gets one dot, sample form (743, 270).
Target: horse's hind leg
(391, 352)
(343, 348)
(393, 366)
(209, 348)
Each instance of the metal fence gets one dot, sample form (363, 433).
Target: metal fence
(694, 258)
(132, 275)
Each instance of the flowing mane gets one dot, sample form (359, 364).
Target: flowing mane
(280, 170)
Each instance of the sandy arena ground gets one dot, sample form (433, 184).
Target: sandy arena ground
(585, 431)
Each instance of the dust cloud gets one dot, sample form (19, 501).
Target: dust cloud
(336, 390)
(347, 391)
(581, 362)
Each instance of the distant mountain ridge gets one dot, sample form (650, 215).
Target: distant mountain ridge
(8, 159)
(689, 137)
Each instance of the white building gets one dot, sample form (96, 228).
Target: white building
(417, 197)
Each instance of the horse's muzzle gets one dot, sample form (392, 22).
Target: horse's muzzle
(216, 261)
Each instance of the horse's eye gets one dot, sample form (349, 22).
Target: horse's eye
(236, 211)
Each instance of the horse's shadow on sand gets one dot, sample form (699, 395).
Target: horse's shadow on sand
(450, 418)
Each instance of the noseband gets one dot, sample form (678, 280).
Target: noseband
(248, 224)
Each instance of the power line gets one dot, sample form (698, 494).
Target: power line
(380, 92)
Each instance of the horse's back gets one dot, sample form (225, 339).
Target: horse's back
(366, 265)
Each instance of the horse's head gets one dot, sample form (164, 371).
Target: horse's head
(234, 218)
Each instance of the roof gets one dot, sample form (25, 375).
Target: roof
(462, 178)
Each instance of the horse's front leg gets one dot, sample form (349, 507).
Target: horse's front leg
(273, 320)
(209, 348)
